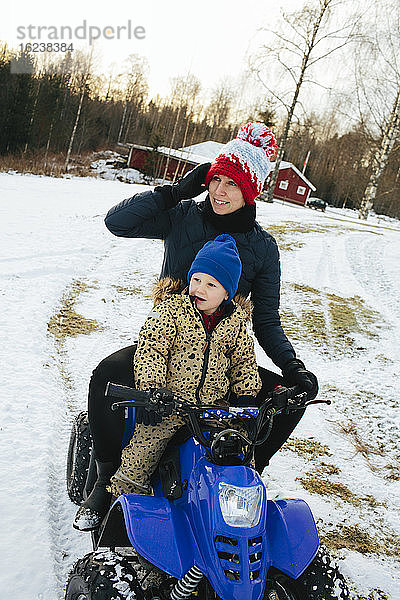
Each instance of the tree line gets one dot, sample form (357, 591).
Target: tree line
(38, 109)
(60, 106)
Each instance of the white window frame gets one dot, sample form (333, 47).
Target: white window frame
(301, 190)
(284, 184)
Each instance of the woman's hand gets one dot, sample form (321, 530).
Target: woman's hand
(295, 373)
(147, 417)
(193, 183)
(189, 186)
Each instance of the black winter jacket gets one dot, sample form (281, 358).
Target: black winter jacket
(185, 230)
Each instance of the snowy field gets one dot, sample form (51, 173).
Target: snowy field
(71, 293)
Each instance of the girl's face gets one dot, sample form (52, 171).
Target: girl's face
(207, 291)
(225, 195)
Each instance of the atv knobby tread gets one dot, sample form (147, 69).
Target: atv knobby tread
(79, 450)
(103, 575)
(322, 580)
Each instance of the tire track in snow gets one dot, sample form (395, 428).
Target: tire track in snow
(51, 233)
(370, 395)
(65, 542)
(367, 390)
(119, 267)
(365, 256)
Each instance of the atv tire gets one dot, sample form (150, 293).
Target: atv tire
(322, 580)
(102, 575)
(280, 587)
(79, 450)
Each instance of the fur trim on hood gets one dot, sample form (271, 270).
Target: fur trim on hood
(167, 287)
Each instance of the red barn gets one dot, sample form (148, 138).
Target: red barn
(167, 164)
(170, 164)
(138, 156)
(292, 185)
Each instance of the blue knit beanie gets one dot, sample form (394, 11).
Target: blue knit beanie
(220, 259)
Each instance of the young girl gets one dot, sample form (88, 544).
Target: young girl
(195, 344)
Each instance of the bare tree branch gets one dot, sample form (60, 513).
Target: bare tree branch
(307, 30)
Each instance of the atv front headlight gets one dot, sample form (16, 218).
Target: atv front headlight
(240, 506)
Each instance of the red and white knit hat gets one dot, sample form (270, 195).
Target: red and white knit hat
(246, 159)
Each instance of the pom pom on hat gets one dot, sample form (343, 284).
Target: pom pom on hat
(260, 136)
(246, 159)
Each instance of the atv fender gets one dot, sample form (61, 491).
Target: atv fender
(157, 529)
(292, 536)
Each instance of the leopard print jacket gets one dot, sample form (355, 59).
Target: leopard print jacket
(175, 351)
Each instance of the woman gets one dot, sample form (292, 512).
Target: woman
(234, 180)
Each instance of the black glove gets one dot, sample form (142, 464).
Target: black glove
(245, 401)
(295, 373)
(145, 416)
(189, 186)
(150, 416)
(163, 395)
(279, 397)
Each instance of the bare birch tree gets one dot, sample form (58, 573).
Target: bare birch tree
(381, 158)
(219, 109)
(136, 90)
(83, 75)
(384, 46)
(305, 37)
(183, 97)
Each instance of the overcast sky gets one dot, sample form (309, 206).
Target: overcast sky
(209, 39)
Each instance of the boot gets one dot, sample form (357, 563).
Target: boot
(93, 510)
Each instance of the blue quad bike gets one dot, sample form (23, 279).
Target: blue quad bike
(209, 530)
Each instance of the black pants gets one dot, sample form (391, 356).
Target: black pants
(107, 426)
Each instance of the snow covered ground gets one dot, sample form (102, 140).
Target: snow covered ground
(62, 273)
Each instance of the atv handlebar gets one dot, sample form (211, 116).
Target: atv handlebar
(281, 398)
(221, 443)
(123, 391)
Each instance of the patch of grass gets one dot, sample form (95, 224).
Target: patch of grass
(306, 289)
(343, 319)
(128, 291)
(323, 487)
(292, 324)
(315, 327)
(307, 323)
(323, 468)
(366, 314)
(67, 322)
(285, 234)
(290, 233)
(315, 484)
(368, 396)
(352, 537)
(350, 316)
(360, 445)
(393, 472)
(374, 594)
(42, 163)
(384, 359)
(281, 233)
(307, 447)
(377, 454)
(328, 321)
(330, 389)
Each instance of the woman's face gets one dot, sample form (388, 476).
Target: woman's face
(225, 195)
